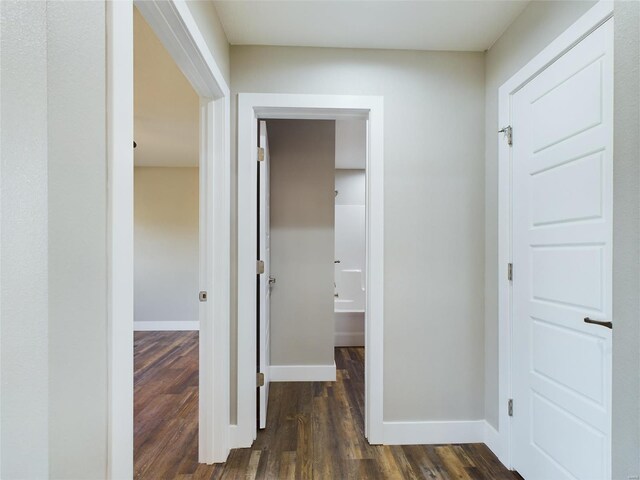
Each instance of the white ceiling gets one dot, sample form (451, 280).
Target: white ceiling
(414, 25)
(166, 108)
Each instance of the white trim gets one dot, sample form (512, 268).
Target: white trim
(252, 106)
(168, 326)
(174, 25)
(120, 239)
(492, 439)
(442, 432)
(348, 339)
(234, 441)
(586, 24)
(303, 373)
(434, 433)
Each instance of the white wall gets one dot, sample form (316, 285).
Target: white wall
(77, 240)
(626, 242)
(534, 29)
(166, 248)
(434, 151)
(54, 328)
(24, 417)
(351, 143)
(302, 154)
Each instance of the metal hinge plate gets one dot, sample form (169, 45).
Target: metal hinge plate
(260, 154)
(510, 407)
(260, 379)
(202, 296)
(508, 132)
(260, 267)
(510, 272)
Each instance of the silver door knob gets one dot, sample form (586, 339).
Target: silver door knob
(272, 280)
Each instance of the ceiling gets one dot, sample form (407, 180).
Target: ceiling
(393, 24)
(166, 108)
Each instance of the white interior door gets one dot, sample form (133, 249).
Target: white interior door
(264, 324)
(562, 270)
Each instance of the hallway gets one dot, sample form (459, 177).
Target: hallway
(314, 430)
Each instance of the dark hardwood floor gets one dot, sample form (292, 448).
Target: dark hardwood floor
(314, 430)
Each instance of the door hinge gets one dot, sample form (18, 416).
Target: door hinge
(260, 154)
(510, 272)
(508, 132)
(260, 267)
(510, 407)
(260, 379)
(202, 296)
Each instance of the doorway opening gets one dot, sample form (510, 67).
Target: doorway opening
(175, 26)
(295, 355)
(311, 249)
(166, 258)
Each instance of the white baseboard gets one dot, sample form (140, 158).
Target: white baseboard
(349, 339)
(234, 441)
(433, 433)
(302, 373)
(166, 326)
(494, 441)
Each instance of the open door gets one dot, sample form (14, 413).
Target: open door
(265, 280)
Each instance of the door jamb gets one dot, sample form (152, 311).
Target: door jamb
(174, 25)
(590, 21)
(253, 106)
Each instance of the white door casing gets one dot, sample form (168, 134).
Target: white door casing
(264, 321)
(255, 106)
(562, 255)
(176, 28)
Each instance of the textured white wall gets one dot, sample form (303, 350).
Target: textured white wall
(166, 244)
(351, 143)
(77, 240)
(23, 243)
(434, 165)
(534, 29)
(626, 242)
(302, 154)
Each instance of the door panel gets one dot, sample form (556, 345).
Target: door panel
(265, 286)
(562, 230)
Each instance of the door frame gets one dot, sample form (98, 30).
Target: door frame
(590, 21)
(172, 22)
(255, 106)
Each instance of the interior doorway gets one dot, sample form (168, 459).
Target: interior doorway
(311, 254)
(252, 109)
(166, 258)
(174, 25)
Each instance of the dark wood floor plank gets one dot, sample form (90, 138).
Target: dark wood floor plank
(314, 430)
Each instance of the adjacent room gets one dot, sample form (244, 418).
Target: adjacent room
(166, 258)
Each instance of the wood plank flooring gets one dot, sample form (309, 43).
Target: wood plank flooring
(314, 430)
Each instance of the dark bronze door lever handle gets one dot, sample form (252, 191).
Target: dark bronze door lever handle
(599, 322)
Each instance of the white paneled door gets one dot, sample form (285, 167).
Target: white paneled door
(265, 279)
(562, 229)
